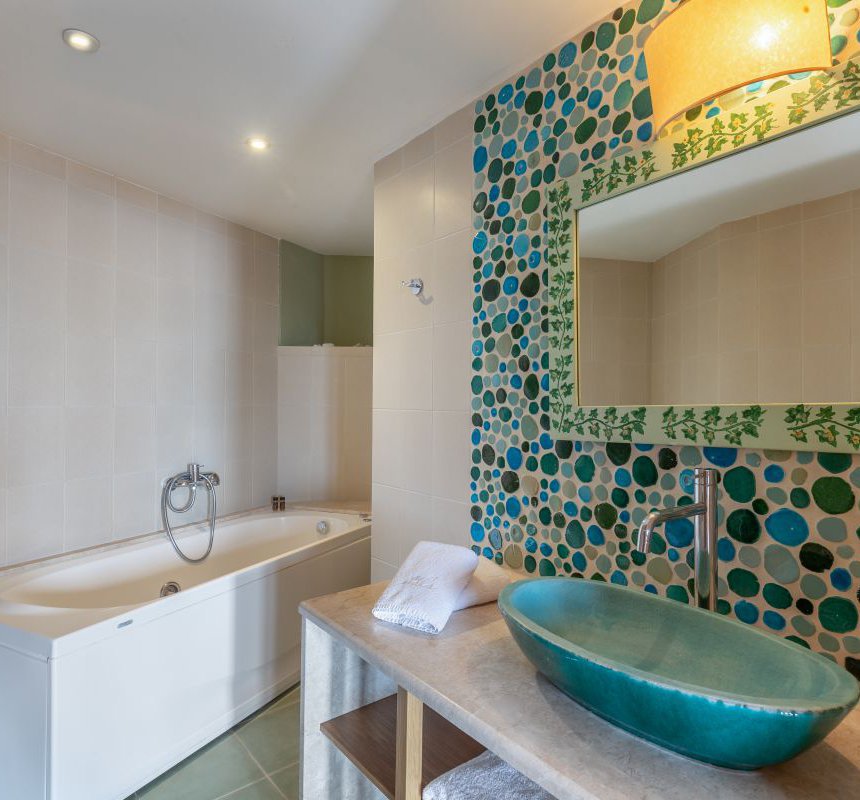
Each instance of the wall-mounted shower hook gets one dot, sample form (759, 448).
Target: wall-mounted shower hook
(415, 285)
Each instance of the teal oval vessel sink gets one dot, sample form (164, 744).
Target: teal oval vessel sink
(689, 680)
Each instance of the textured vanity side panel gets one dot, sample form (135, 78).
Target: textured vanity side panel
(23, 725)
(334, 681)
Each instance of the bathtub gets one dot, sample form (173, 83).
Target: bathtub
(104, 684)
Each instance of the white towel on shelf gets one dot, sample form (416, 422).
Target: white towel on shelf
(486, 777)
(485, 584)
(424, 592)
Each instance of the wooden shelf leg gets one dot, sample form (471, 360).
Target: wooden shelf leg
(410, 728)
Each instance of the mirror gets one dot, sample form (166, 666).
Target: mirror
(737, 282)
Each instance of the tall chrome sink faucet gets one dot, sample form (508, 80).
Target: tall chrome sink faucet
(703, 509)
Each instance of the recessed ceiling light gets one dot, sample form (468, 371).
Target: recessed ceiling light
(258, 143)
(80, 40)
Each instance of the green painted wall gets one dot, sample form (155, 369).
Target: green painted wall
(348, 300)
(325, 298)
(301, 295)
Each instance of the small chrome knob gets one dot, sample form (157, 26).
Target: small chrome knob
(323, 527)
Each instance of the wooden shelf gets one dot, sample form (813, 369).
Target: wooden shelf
(368, 738)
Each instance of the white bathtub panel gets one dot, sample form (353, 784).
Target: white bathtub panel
(23, 747)
(131, 706)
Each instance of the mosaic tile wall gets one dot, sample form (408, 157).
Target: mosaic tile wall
(790, 526)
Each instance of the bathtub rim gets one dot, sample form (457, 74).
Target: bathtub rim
(65, 631)
(348, 510)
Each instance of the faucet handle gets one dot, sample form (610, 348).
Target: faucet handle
(194, 472)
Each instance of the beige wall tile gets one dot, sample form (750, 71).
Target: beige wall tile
(738, 320)
(827, 314)
(268, 244)
(35, 445)
(394, 306)
(388, 167)
(173, 208)
(403, 372)
(452, 366)
(827, 374)
(658, 288)
(455, 127)
(136, 239)
(37, 290)
(709, 326)
(780, 375)
(855, 227)
(401, 442)
(175, 249)
(452, 287)
(416, 216)
(404, 210)
(239, 233)
(826, 247)
(4, 202)
(634, 291)
(136, 195)
(26, 155)
(709, 272)
(36, 366)
(827, 205)
(781, 255)
(739, 227)
(781, 317)
(90, 371)
(451, 455)
(37, 210)
(738, 376)
(780, 217)
(418, 149)
(450, 520)
(88, 512)
(739, 258)
(422, 228)
(90, 298)
(91, 225)
(34, 528)
(89, 178)
(210, 222)
(68, 374)
(453, 192)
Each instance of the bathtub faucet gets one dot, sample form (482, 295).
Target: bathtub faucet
(193, 478)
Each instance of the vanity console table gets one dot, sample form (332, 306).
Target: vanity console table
(385, 710)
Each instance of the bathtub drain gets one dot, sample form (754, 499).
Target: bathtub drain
(171, 587)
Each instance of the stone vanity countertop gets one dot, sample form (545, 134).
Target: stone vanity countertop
(474, 675)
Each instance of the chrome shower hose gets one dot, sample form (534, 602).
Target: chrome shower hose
(167, 505)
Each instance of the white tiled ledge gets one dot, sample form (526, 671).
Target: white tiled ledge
(318, 350)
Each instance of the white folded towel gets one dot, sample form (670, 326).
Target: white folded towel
(424, 592)
(485, 584)
(486, 777)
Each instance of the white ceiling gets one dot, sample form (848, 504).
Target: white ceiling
(178, 85)
(651, 222)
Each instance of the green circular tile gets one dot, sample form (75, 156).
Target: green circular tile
(833, 495)
(838, 614)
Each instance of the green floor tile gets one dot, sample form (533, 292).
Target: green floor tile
(262, 790)
(219, 768)
(287, 780)
(287, 698)
(273, 737)
(223, 769)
